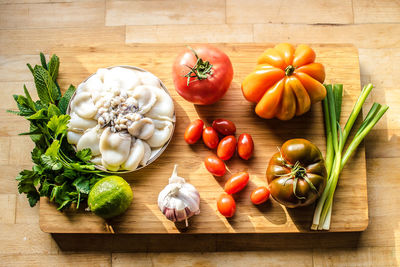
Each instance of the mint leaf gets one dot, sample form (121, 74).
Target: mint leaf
(64, 101)
(53, 67)
(23, 106)
(30, 102)
(34, 129)
(59, 124)
(43, 60)
(84, 154)
(46, 88)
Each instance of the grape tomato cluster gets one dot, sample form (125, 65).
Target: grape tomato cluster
(221, 136)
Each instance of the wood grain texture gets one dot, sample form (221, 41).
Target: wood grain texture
(164, 12)
(298, 11)
(271, 258)
(378, 63)
(227, 33)
(350, 33)
(378, 11)
(349, 214)
(51, 15)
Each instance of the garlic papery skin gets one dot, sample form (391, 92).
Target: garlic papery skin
(179, 200)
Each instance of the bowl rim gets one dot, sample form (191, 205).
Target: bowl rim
(160, 150)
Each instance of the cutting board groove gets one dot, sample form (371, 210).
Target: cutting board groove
(350, 210)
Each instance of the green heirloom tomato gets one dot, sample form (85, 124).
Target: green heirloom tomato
(296, 174)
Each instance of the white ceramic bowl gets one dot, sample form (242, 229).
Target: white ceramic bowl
(155, 153)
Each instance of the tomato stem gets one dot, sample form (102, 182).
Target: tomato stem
(200, 71)
(289, 70)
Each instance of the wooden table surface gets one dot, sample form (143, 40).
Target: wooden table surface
(373, 26)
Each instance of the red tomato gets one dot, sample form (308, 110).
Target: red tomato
(224, 127)
(202, 75)
(226, 205)
(245, 146)
(236, 183)
(226, 147)
(193, 131)
(259, 195)
(210, 137)
(215, 166)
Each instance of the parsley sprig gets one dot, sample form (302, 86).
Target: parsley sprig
(59, 172)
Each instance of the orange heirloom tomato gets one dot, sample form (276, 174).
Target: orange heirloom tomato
(286, 82)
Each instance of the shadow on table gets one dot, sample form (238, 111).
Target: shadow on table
(203, 242)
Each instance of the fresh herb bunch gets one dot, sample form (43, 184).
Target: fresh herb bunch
(59, 172)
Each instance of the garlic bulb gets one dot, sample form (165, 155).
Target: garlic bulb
(179, 200)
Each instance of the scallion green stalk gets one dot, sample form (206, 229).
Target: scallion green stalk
(336, 140)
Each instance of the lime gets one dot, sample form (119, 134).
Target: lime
(109, 197)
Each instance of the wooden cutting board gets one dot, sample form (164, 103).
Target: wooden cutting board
(350, 210)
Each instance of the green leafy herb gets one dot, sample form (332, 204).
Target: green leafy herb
(59, 173)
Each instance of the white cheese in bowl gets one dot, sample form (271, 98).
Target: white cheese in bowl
(124, 115)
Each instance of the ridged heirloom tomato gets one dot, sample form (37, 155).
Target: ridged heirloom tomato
(193, 131)
(296, 174)
(286, 82)
(202, 75)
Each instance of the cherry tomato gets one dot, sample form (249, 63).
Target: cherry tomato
(215, 166)
(193, 131)
(245, 146)
(202, 75)
(224, 127)
(259, 195)
(236, 183)
(210, 137)
(226, 147)
(226, 205)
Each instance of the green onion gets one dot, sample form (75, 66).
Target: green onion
(335, 141)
